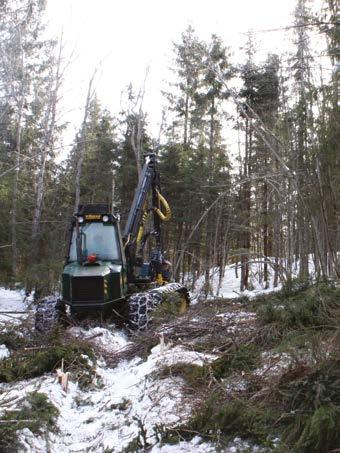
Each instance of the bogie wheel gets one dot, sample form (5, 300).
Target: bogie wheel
(142, 305)
(182, 300)
(50, 311)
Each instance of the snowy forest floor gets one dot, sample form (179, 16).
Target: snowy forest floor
(230, 375)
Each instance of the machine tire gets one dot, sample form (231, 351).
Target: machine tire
(141, 305)
(48, 314)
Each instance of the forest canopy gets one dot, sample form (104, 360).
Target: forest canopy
(276, 203)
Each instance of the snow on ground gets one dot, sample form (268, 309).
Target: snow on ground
(129, 397)
(229, 286)
(195, 445)
(13, 301)
(110, 415)
(109, 339)
(238, 315)
(273, 364)
(4, 352)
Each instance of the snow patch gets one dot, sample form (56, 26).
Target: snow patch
(4, 352)
(195, 445)
(111, 339)
(229, 286)
(237, 316)
(13, 301)
(273, 364)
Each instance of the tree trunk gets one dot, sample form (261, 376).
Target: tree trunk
(82, 144)
(49, 124)
(15, 192)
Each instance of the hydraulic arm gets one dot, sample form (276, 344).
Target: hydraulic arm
(134, 237)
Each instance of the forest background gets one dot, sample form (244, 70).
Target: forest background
(275, 202)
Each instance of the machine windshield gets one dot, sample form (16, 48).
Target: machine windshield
(98, 239)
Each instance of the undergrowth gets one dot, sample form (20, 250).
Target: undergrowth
(36, 413)
(10, 338)
(194, 375)
(295, 410)
(310, 396)
(243, 358)
(317, 306)
(34, 361)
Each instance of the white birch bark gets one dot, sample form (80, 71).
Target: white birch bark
(48, 126)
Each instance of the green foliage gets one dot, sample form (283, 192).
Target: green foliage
(298, 406)
(36, 413)
(220, 422)
(310, 398)
(242, 358)
(28, 364)
(195, 376)
(293, 286)
(319, 431)
(301, 306)
(10, 338)
(302, 410)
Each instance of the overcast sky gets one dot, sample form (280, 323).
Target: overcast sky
(122, 38)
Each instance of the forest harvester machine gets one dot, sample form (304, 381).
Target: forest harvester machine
(104, 271)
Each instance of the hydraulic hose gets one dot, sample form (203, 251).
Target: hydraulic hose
(141, 228)
(167, 216)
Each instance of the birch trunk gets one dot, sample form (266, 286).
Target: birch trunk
(49, 124)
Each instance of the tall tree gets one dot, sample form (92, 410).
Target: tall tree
(25, 61)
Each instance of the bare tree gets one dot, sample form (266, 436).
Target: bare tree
(136, 118)
(48, 129)
(82, 142)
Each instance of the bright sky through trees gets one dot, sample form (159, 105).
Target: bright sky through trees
(122, 39)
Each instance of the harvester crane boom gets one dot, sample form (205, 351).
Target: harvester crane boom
(149, 180)
(134, 237)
